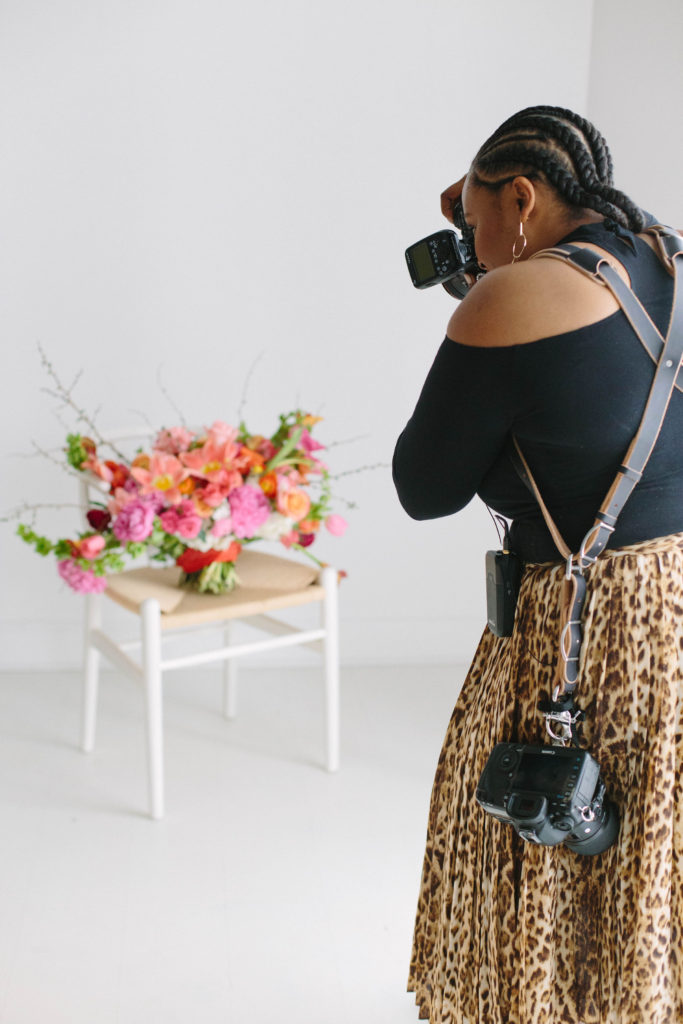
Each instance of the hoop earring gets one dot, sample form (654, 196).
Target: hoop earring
(521, 237)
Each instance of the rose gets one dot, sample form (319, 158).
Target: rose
(90, 547)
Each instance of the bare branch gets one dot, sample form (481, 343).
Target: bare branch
(243, 399)
(168, 398)
(64, 395)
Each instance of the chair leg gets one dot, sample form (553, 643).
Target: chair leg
(93, 620)
(229, 676)
(331, 655)
(151, 662)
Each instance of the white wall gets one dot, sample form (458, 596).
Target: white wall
(189, 184)
(635, 91)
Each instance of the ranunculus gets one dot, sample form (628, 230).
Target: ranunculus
(90, 547)
(290, 538)
(249, 508)
(169, 520)
(134, 522)
(83, 581)
(294, 503)
(336, 525)
(306, 539)
(189, 526)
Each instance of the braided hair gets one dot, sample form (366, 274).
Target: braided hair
(566, 151)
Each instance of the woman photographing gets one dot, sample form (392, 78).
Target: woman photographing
(510, 931)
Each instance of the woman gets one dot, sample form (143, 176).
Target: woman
(509, 932)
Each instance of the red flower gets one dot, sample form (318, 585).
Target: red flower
(98, 519)
(120, 474)
(192, 560)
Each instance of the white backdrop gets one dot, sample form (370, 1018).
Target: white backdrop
(191, 184)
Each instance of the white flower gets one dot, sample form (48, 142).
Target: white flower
(275, 526)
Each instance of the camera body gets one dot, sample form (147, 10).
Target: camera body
(550, 795)
(446, 257)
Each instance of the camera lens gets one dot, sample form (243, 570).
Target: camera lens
(601, 833)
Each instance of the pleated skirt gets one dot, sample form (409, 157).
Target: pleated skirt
(508, 932)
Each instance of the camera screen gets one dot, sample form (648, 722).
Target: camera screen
(541, 773)
(422, 261)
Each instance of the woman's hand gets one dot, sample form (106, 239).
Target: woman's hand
(450, 196)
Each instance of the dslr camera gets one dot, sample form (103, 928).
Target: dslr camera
(446, 257)
(550, 795)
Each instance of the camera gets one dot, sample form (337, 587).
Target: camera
(445, 258)
(549, 795)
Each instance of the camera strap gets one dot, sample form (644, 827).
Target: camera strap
(667, 353)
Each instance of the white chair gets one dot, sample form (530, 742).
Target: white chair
(268, 583)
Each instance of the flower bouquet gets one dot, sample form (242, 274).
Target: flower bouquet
(195, 499)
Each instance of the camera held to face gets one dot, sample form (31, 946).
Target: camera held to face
(550, 795)
(446, 258)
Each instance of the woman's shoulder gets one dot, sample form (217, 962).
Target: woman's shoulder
(526, 302)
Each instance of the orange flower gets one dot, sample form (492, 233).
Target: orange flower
(187, 486)
(294, 504)
(309, 525)
(203, 509)
(268, 484)
(249, 461)
(310, 421)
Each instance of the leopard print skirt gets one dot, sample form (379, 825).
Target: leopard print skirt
(508, 932)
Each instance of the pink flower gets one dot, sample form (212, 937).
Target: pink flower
(221, 527)
(289, 538)
(212, 462)
(98, 469)
(308, 444)
(336, 525)
(90, 547)
(173, 441)
(169, 520)
(213, 495)
(165, 474)
(221, 433)
(134, 522)
(250, 509)
(183, 520)
(83, 581)
(189, 526)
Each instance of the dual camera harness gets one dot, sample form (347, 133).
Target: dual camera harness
(561, 711)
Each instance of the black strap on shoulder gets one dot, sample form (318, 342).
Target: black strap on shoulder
(668, 353)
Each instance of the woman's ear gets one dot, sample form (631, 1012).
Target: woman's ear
(525, 196)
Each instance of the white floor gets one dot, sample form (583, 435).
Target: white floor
(272, 892)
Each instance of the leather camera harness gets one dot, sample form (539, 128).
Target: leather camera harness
(667, 353)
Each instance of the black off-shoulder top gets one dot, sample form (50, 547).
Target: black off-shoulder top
(573, 401)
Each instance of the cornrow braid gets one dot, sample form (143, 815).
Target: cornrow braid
(564, 149)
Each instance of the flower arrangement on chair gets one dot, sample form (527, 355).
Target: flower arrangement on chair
(195, 498)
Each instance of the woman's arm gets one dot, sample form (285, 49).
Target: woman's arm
(459, 426)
